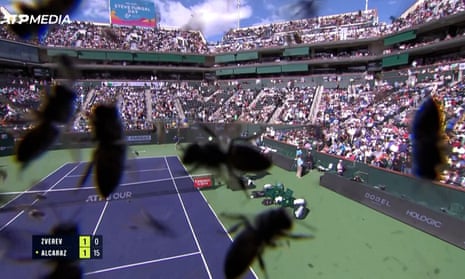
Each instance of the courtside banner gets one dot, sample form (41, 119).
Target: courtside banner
(203, 182)
(435, 223)
(133, 13)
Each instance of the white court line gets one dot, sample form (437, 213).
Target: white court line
(92, 187)
(36, 200)
(217, 218)
(146, 170)
(23, 192)
(100, 218)
(188, 220)
(140, 263)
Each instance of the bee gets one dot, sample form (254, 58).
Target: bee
(36, 214)
(109, 157)
(67, 69)
(110, 34)
(428, 144)
(304, 9)
(12, 245)
(65, 268)
(251, 242)
(50, 7)
(58, 109)
(3, 174)
(147, 220)
(239, 157)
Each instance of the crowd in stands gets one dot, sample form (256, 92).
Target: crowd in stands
(134, 107)
(198, 104)
(372, 126)
(361, 123)
(369, 124)
(348, 26)
(17, 96)
(131, 100)
(163, 105)
(297, 105)
(428, 11)
(88, 35)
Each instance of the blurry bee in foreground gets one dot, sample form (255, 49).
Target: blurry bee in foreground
(65, 268)
(3, 174)
(252, 241)
(109, 157)
(147, 220)
(67, 69)
(110, 34)
(13, 247)
(36, 214)
(58, 109)
(428, 142)
(25, 28)
(240, 157)
(304, 9)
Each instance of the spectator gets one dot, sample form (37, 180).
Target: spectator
(340, 168)
(300, 166)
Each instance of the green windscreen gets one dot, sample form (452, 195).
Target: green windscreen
(401, 37)
(395, 60)
(296, 51)
(294, 68)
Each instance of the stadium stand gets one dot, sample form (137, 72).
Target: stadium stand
(365, 111)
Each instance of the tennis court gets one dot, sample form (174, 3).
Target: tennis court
(193, 246)
(351, 240)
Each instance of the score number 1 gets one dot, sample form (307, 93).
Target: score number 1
(90, 247)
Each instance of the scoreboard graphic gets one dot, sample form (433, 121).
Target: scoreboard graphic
(72, 248)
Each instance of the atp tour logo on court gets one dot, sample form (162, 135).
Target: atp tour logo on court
(45, 19)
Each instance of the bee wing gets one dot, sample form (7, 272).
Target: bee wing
(67, 68)
(70, 142)
(160, 131)
(156, 224)
(3, 175)
(15, 244)
(145, 219)
(58, 6)
(131, 163)
(244, 220)
(233, 130)
(86, 173)
(306, 225)
(207, 130)
(303, 9)
(76, 154)
(300, 236)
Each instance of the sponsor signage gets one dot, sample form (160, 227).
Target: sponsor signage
(139, 138)
(202, 182)
(438, 224)
(423, 218)
(133, 13)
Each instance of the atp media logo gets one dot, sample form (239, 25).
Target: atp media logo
(45, 19)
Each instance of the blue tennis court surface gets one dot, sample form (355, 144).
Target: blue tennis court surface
(195, 246)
